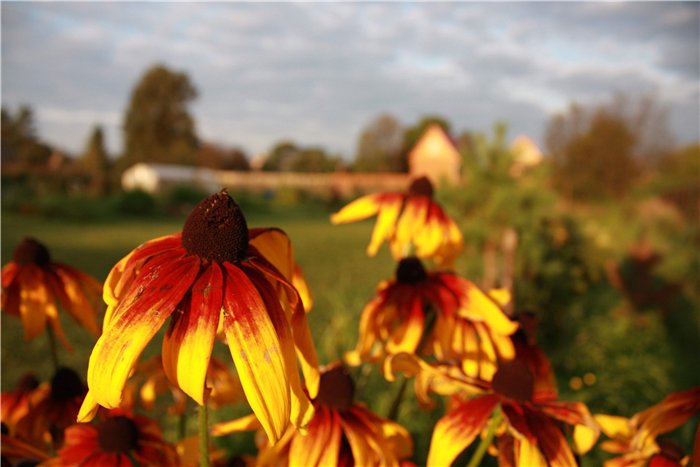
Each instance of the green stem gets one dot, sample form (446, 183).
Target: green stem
(52, 347)
(203, 436)
(396, 404)
(486, 441)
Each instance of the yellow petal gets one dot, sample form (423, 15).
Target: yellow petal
(188, 344)
(33, 298)
(88, 409)
(456, 430)
(386, 223)
(477, 306)
(528, 454)
(247, 423)
(139, 316)
(361, 208)
(407, 335)
(256, 352)
(614, 426)
(584, 438)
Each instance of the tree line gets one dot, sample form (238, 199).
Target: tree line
(598, 150)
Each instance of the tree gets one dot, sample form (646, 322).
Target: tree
(219, 158)
(601, 151)
(95, 162)
(313, 160)
(157, 125)
(280, 157)
(20, 146)
(379, 147)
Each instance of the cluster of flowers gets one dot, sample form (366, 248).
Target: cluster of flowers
(218, 279)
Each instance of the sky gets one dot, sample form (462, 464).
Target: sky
(318, 73)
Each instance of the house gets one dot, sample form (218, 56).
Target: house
(153, 178)
(436, 157)
(526, 154)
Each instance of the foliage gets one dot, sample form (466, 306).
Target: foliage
(380, 145)
(20, 145)
(601, 151)
(95, 163)
(157, 124)
(677, 179)
(135, 203)
(286, 156)
(219, 158)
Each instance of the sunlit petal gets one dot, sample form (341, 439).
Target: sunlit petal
(456, 430)
(358, 209)
(256, 352)
(140, 314)
(188, 344)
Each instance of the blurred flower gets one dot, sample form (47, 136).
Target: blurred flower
(14, 405)
(405, 219)
(33, 285)
(530, 433)
(449, 314)
(53, 408)
(14, 451)
(224, 388)
(207, 274)
(636, 438)
(342, 432)
(119, 439)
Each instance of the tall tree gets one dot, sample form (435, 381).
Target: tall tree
(95, 162)
(157, 125)
(379, 146)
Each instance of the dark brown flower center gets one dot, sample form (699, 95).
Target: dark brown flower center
(410, 271)
(31, 251)
(216, 230)
(66, 385)
(118, 434)
(514, 380)
(336, 389)
(421, 186)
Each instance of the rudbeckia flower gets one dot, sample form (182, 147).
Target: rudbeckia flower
(116, 440)
(14, 405)
(53, 409)
(636, 439)
(405, 220)
(34, 286)
(469, 327)
(14, 451)
(342, 432)
(530, 432)
(207, 275)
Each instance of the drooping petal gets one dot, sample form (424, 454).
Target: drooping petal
(528, 453)
(321, 445)
(386, 223)
(550, 440)
(456, 430)
(301, 409)
(586, 429)
(412, 220)
(247, 423)
(9, 273)
(275, 247)
(188, 344)
(78, 294)
(477, 306)
(33, 298)
(140, 314)
(256, 352)
(361, 208)
(408, 334)
(88, 409)
(305, 349)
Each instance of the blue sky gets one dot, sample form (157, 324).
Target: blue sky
(318, 73)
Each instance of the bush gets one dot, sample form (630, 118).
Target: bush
(135, 203)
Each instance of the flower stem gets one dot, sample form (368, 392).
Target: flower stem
(396, 404)
(203, 436)
(486, 441)
(52, 347)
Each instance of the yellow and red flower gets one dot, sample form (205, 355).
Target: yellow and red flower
(441, 312)
(117, 440)
(636, 439)
(342, 432)
(14, 405)
(34, 286)
(208, 275)
(52, 409)
(529, 433)
(405, 220)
